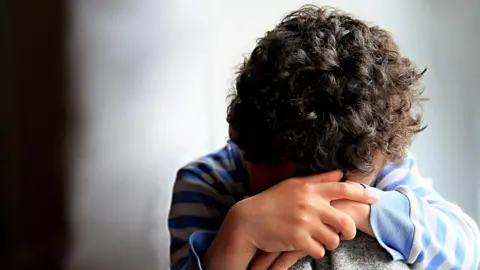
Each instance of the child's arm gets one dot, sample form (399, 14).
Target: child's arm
(415, 224)
(199, 204)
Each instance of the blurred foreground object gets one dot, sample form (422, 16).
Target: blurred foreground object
(33, 230)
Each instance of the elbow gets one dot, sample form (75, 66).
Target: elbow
(468, 247)
(474, 249)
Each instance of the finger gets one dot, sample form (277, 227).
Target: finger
(347, 190)
(287, 260)
(264, 260)
(326, 235)
(340, 221)
(333, 176)
(342, 238)
(312, 247)
(334, 229)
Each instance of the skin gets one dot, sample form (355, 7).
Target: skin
(291, 218)
(263, 176)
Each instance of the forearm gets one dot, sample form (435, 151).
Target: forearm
(415, 224)
(229, 249)
(363, 221)
(454, 236)
(429, 233)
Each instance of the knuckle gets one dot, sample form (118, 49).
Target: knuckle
(305, 187)
(343, 189)
(303, 204)
(302, 220)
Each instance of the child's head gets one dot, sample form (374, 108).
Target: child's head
(325, 91)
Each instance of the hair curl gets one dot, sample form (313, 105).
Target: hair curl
(326, 91)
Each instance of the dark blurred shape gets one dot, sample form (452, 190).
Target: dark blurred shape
(33, 129)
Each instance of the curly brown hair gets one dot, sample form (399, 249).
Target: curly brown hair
(325, 91)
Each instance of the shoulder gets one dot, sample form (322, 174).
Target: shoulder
(222, 171)
(401, 172)
(222, 165)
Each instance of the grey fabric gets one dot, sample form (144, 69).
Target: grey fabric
(363, 252)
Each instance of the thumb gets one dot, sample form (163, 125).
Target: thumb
(333, 176)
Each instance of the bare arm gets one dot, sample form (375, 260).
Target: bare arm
(229, 249)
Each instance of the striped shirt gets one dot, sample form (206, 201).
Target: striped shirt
(411, 221)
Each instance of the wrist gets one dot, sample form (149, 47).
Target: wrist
(234, 227)
(363, 219)
(230, 247)
(359, 212)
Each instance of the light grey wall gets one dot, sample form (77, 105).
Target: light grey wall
(151, 78)
(448, 150)
(139, 72)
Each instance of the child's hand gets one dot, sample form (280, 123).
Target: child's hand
(296, 215)
(359, 212)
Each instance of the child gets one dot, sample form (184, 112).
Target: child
(322, 98)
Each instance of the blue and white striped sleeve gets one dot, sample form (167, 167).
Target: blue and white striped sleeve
(415, 224)
(199, 203)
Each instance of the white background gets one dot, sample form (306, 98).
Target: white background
(151, 81)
